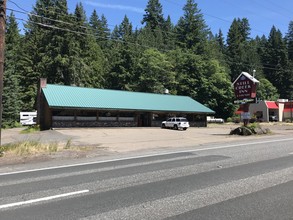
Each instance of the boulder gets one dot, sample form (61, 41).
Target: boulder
(247, 131)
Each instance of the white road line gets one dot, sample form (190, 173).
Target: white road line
(10, 205)
(146, 156)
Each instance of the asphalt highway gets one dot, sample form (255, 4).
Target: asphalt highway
(252, 180)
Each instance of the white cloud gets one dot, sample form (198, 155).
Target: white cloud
(117, 7)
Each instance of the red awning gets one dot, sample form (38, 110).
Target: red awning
(240, 110)
(272, 105)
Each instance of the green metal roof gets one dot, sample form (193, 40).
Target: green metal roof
(59, 96)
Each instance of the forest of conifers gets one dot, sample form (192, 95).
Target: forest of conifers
(183, 56)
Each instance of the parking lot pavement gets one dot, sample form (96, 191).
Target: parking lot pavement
(133, 139)
(128, 141)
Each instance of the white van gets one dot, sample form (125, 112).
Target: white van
(28, 118)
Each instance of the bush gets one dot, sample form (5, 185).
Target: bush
(229, 119)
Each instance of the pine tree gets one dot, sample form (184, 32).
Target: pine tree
(289, 38)
(123, 56)
(275, 63)
(191, 29)
(153, 17)
(33, 45)
(152, 35)
(11, 90)
(169, 36)
(85, 55)
(221, 42)
(100, 28)
(238, 47)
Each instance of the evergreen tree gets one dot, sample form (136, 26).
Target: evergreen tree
(55, 61)
(289, 38)
(169, 36)
(221, 42)
(94, 22)
(100, 29)
(34, 44)
(261, 43)
(123, 58)
(11, 91)
(238, 47)
(152, 35)
(153, 17)
(275, 63)
(191, 29)
(125, 29)
(86, 57)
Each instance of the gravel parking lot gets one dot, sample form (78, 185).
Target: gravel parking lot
(126, 141)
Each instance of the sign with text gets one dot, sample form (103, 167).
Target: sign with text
(243, 101)
(245, 87)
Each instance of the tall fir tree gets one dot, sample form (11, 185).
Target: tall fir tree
(221, 41)
(11, 90)
(123, 58)
(169, 36)
(238, 47)
(275, 63)
(191, 30)
(289, 39)
(86, 57)
(34, 45)
(152, 34)
(100, 29)
(153, 17)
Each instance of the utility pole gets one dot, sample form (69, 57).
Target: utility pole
(2, 48)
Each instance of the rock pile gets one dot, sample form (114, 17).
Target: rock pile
(246, 131)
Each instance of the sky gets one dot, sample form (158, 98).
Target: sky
(218, 14)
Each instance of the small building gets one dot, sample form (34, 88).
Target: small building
(62, 106)
(265, 111)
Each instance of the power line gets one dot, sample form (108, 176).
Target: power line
(127, 42)
(281, 7)
(49, 19)
(80, 33)
(18, 6)
(82, 26)
(216, 17)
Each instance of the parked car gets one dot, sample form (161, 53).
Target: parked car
(273, 118)
(176, 123)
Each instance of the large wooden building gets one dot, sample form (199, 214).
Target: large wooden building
(71, 106)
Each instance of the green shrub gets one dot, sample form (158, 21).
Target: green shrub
(229, 119)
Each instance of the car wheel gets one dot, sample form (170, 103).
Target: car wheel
(175, 127)
(184, 129)
(163, 126)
